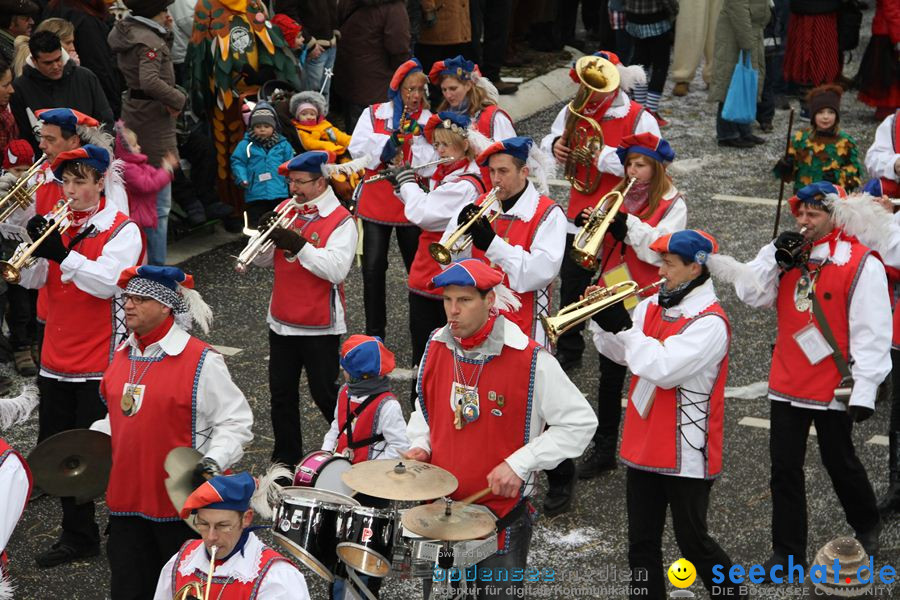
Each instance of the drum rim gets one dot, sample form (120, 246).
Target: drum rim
(364, 550)
(310, 493)
(371, 511)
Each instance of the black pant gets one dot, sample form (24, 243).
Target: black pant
(288, 355)
(787, 450)
(729, 130)
(20, 316)
(257, 208)
(376, 243)
(653, 54)
(895, 392)
(63, 406)
(647, 496)
(574, 280)
(491, 18)
(609, 405)
(137, 550)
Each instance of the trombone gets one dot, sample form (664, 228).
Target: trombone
(11, 270)
(387, 172)
(598, 300)
(589, 239)
(21, 194)
(260, 243)
(443, 252)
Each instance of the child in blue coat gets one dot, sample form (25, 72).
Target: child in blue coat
(255, 163)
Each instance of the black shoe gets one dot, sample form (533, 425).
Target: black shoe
(766, 127)
(60, 554)
(504, 87)
(737, 143)
(870, 540)
(755, 139)
(596, 463)
(774, 560)
(559, 499)
(233, 224)
(217, 210)
(569, 362)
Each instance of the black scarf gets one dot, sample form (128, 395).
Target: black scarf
(669, 298)
(511, 201)
(361, 388)
(267, 143)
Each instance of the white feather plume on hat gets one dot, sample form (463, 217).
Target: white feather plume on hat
(346, 168)
(505, 299)
(268, 492)
(860, 215)
(542, 167)
(729, 269)
(630, 77)
(198, 311)
(17, 409)
(6, 587)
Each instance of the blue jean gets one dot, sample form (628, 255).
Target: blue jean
(156, 237)
(314, 72)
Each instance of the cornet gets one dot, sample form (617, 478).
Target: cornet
(21, 195)
(260, 243)
(387, 172)
(598, 300)
(11, 270)
(443, 252)
(589, 240)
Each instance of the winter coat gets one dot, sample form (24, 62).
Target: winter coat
(256, 170)
(142, 183)
(78, 88)
(453, 25)
(318, 17)
(887, 20)
(740, 27)
(374, 42)
(828, 158)
(322, 136)
(145, 58)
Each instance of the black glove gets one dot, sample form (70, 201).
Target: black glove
(619, 227)
(389, 151)
(482, 234)
(36, 226)
(788, 240)
(784, 168)
(205, 470)
(287, 240)
(466, 214)
(581, 219)
(614, 318)
(52, 248)
(399, 176)
(858, 414)
(266, 220)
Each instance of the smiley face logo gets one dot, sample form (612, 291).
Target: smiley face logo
(682, 573)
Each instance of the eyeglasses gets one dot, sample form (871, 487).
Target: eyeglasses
(414, 90)
(204, 527)
(304, 181)
(136, 300)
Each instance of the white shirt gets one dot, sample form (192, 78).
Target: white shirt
(331, 262)
(869, 315)
(501, 126)
(434, 210)
(224, 419)
(283, 581)
(13, 496)
(689, 361)
(881, 157)
(641, 234)
(557, 403)
(365, 142)
(391, 424)
(99, 277)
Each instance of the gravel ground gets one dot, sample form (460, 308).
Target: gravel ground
(586, 548)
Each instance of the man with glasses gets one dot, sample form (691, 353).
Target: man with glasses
(311, 259)
(164, 389)
(245, 567)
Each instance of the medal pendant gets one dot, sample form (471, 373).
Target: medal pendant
(457, 417)
(127, 403)
(801, 295)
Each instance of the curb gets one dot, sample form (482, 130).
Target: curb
(539, 94)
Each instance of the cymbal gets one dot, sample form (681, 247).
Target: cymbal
(72, 463)
(179, 465)
(465, 521)
(400, 479)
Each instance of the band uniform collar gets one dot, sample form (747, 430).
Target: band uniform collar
(697, 300)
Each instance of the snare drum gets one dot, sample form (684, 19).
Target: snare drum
(367, 540)
(307, 524)
(323, 470)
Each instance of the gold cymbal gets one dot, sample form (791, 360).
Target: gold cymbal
(179, 465)
(465, 521)
(400, 479)
(73, 463)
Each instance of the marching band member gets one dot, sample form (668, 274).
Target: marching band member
(15, 488)
(451, 187)
(883, 156)
(79, 270)
(311, 259)
(164, 389)
(829, 291)
(618, 116)
(512, 410)
(652, 208)
(244, 566)
(389, 133)
(677, 349)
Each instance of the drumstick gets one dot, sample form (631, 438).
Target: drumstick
(476, 496)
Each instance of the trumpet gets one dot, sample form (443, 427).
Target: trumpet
(443, 252)
(387, 172)
(194, 590)
(598, 300)
(260, 243)
(11, 270)
(21, 194)
(589, 240)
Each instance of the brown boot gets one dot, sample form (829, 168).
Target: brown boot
(25, 363)
(681, 88)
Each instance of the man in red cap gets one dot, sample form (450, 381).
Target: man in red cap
(512, 411)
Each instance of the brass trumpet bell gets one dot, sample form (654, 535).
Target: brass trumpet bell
(589, 240)
(443, 252)
(20, 196)
(11, 270)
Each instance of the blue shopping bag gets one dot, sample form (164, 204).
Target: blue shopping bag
(740, 102)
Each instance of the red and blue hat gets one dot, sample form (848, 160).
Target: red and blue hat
(308, 162)
(223, 492)
(365, 356)
(93, 156)
(403, 71)
(457, 67)
(456, 122)
(169, 277)
(873, 187)
(514, 146)
(819, 194)
(66, 118)
(647, 144)
(468, 272)
(692, 245)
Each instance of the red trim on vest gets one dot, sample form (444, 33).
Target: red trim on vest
(224, 588)
(365, 426)
(377, 201)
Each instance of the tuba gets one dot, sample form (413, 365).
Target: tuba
(589, 239)
(260, 243)
(20, 196)
(598, 75)
(443, 252)
(11, 270)
(598, 300)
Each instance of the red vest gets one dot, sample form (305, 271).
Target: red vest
(522, 233)
(164, 421)
(613, 132)
(223, 588)
(484, 124)
(654, 443)
(299, 297)
(792, 376)
(80, 333)
(365, 425)
(472, 452)
(424, 267)
(895, 339)
(5, 451)
(45, 199)
(614, 253)
(889, 187)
